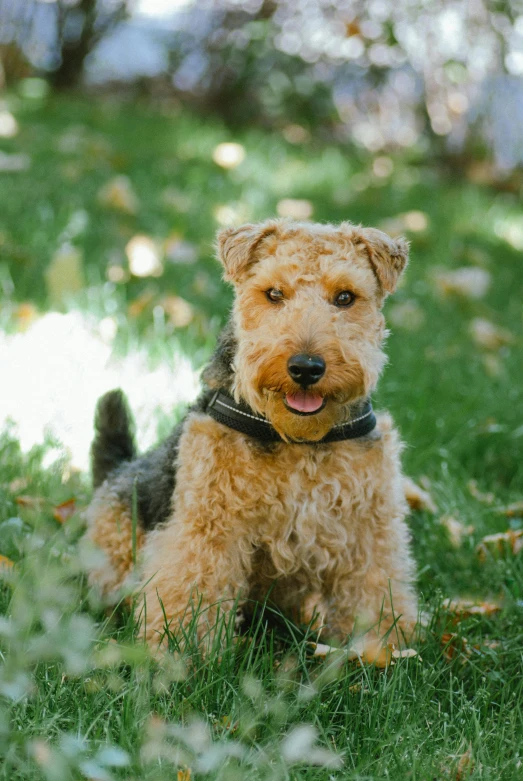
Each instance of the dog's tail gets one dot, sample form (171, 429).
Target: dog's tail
(114, 436)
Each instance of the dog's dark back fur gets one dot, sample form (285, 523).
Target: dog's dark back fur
(152, 475)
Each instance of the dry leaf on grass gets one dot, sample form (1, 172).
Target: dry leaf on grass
(366, 652)
(404, 653)
(464, 767)
(6, 565)
(488, 335)
(467, 282)
(65, 510)
(464, 608)
(455, 647)
(31, 502)
(508, 543)
(418, 498)
(184, 775)
(456, 530)
(485, 498)
(514, 510)
(178, 310)
(118, 194)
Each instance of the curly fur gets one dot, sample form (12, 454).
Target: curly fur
(223, 517)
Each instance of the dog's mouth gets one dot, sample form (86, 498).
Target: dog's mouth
(304, 402)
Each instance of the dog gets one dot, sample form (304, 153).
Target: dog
(280, 483)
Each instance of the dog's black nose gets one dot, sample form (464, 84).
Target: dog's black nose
(306, 369)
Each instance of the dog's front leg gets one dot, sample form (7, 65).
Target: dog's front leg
(378, 605)
(192, 576)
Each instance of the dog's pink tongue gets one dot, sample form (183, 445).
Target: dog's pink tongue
(304, 402)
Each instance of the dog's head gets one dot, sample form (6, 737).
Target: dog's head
(308, 319)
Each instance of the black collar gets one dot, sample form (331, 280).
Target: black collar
(240, 417)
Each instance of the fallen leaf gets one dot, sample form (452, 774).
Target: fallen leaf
(500, 545)
(184, 775)
(467, 282)
(32, 502)
(494, 645)
(321, 651)
(454, 646)
(367, 652)
(377, 654)
(404, 653)
(178, 310)
(417, 497)
(118, 194)
(352, 28)
(489, 336)
(6, 564)
(464, 608)
(465, 765)
(456, 530)
(64, 511)
(514, 510)
(485, 498)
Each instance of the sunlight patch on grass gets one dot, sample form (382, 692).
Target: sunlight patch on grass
(59, 367)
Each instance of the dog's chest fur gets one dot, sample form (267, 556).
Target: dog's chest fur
(294, 501)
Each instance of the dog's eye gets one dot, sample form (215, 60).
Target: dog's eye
(274, 295)
(345, 298)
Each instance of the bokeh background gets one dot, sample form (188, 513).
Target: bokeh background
(129, 133)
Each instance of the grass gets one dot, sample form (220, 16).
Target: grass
(79, 697)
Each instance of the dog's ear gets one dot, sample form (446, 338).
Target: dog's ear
(236, 247)
(388, 257)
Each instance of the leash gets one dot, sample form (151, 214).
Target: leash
(224, 409)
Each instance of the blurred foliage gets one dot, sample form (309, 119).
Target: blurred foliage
(55, 35)
(386, 75)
